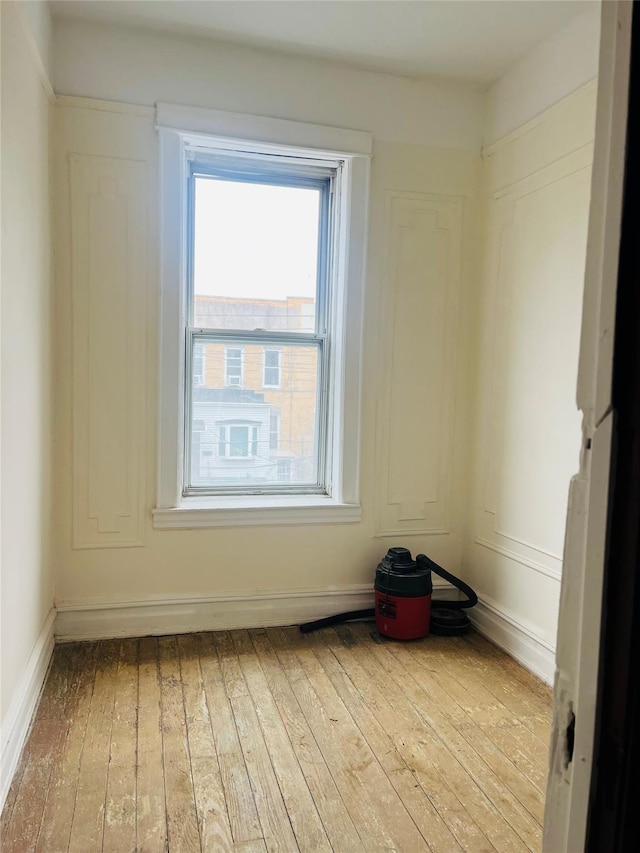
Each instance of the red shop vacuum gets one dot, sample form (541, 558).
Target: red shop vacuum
(404, 606)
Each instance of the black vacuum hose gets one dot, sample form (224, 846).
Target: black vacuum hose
(369, 613)
(448, 624)
(439, 603)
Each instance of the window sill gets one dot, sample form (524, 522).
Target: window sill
(249, 511)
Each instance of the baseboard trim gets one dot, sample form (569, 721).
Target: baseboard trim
(23, 704)
(514, 637)
(101, 619)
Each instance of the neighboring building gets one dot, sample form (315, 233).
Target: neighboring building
(254, 407)
(293, 314)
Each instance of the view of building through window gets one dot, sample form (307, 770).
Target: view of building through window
(244, 414)
(255, 401)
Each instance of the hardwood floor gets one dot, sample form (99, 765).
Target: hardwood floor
(270, 740)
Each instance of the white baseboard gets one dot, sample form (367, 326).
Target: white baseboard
(152, 615)
(23, 704)
(517, 639)
(101, 619)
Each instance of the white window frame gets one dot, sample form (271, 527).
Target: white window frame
(266, 384)
(228, 384)
(182, 127)
(320, 176)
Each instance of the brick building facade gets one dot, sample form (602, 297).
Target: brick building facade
(254, 406)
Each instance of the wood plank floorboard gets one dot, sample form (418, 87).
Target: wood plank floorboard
(271, 740)
(151, 818)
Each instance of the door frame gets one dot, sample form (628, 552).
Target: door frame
(572, 756)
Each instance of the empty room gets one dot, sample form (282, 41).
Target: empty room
(307, 312)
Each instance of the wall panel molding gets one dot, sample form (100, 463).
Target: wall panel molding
(561, 129)
(415, 413)
(510, 214)
(83, 103)
(554, 572)
(108, 255)
(528, 437)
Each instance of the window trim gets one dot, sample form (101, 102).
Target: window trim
(182, 126)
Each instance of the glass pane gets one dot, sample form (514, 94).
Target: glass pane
(255, 256)
(238, 441)
(274, 430)
(255, 436)
(271, 376)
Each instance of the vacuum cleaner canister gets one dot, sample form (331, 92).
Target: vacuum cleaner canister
(403, 606)
(402, 596)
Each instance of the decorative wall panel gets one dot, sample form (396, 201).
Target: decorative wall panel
(537, 236)
(418, 370)
(108, 253)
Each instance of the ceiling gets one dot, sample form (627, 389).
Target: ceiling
(469, 40)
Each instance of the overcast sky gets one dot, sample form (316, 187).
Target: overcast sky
(253, 240)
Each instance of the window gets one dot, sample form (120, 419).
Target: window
(274, 430)
(233, 362)
(198, 365)
(259, 284)
(263, 255)
(238, 441)
(283, 470)
(272, 359)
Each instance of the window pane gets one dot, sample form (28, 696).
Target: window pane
(255, 255)
(272, 367)
(238, 441)
(274, 430)
(254, 436)
(284, 470)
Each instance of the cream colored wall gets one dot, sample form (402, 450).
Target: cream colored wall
(527, 432)
(559, 65)
(142, 67)
(480, 359)
(27, 368)
(421, 243)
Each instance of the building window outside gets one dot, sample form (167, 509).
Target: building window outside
(233, 364)
(237, 441)
(198, 364)
(274, 431)
(283, 470)
(272, 368)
